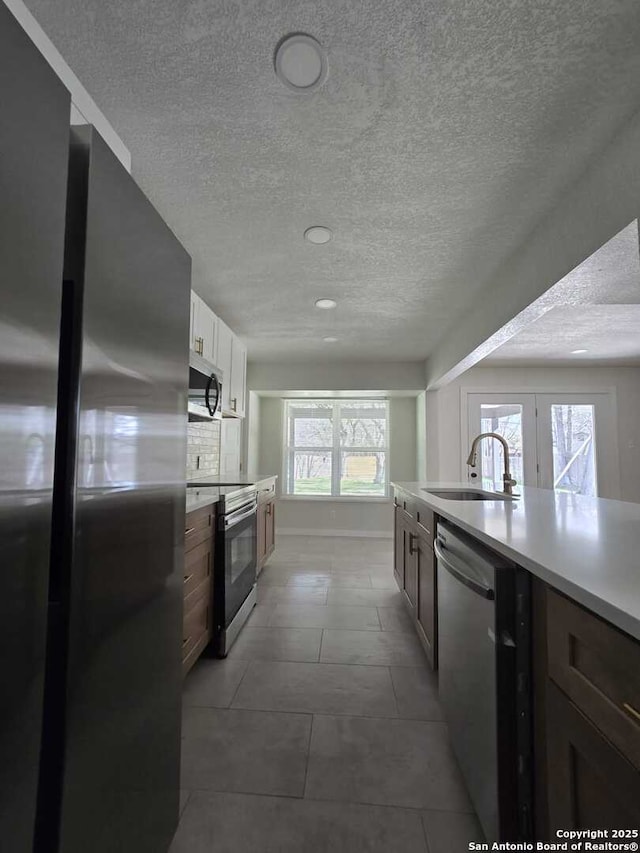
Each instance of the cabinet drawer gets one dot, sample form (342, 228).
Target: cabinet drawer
(203, 590)
(197, 567)
(195, 625)
(199, 526)
(425, 522)
(598, 667)
(267, 492)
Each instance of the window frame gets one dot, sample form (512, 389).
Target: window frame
(335, 450)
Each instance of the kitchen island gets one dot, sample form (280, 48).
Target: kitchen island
(587, 548)
(577, 660)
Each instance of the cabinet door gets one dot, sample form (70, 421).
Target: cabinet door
(230, 446)
(261, 546)
(205, 330)
(195, 299)
(426, 605)
(223, 361)
(270, 527)
(238, 376)
(398, 546)
(590, 784)
(410, 564)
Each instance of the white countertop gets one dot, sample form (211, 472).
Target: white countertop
(231, 480)
(588, 548)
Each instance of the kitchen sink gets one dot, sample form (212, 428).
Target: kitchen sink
(467, 495)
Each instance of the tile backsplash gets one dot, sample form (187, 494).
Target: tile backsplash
(203, 449)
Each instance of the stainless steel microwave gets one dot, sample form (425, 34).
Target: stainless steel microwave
(205, 389)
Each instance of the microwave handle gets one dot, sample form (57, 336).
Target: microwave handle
(213, 380)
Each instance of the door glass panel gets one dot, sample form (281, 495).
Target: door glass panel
(574, 460)
(506, 420)
(312, 472)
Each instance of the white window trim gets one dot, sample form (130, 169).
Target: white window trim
(335, 448)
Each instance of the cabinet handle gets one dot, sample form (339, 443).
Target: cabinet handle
(184, 642)
(187, 578)
(412, 550)
(189, 530)
(234, 403)
(631, 711)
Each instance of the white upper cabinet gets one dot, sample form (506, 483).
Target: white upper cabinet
(223, 361)
(203, 328)
(212, 338)
(238, 377)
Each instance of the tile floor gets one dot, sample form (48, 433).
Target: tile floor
(321, 732)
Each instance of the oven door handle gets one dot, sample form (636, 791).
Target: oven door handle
(232, 519)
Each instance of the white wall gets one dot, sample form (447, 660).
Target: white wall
(421, 436)
(604, 201)
(335, 376)
(444, 450)
(251, 434)
(345, 516)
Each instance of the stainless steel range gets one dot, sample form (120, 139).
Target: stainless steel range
(234, 574)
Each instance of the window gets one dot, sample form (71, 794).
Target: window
(336, 448)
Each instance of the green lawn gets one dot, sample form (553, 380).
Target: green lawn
(322, 486)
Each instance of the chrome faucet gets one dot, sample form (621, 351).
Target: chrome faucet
(507, 480)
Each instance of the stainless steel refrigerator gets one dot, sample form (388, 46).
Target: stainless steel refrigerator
(93, 397)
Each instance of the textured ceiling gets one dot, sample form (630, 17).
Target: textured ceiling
(443, 133)
(595, 307)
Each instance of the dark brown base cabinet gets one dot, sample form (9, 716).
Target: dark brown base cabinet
(197, 621)
(586, 691)
(414, 567)
(587, 684)
(266, 522)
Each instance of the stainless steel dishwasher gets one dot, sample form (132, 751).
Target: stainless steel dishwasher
(484, 678)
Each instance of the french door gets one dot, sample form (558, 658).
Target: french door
(565, 442)
(513, 416)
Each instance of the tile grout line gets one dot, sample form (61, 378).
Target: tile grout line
(418, 810)
(306, 766)
(235, 692)
(424, 832)
(393, 688)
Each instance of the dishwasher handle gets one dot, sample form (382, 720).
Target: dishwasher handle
(473, 583)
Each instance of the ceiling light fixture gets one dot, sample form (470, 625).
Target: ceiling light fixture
(577, 351)
(300, 62)
(318, 234)
(327, 304)
(330, 340)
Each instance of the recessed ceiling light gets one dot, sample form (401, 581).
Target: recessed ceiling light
(326, 303)
(300, 62)
(318, 234)
(577, 351)
(330, 340)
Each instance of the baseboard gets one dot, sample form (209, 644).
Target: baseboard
(323, 531)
